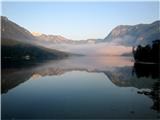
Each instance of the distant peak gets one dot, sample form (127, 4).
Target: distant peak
(36, 33)
(156, 22)
(4, 18)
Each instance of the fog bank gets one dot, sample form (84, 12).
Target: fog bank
(93, 49)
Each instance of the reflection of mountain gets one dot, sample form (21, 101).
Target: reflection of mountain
(13, 77)
(121, 76)
(140, 76)
(124, 77)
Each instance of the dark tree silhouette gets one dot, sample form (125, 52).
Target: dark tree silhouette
(148, 53)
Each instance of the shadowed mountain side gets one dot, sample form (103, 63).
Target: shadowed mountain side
(17, 43)
(11, 30)
(12, 50)
(133, 35)
(11, 33)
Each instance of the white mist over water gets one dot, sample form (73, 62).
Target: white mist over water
(93, 49)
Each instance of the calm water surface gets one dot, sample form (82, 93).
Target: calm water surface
(80, 87)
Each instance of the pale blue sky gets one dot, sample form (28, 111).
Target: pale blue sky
(79, 20)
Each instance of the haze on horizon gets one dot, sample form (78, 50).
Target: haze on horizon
(79, 20)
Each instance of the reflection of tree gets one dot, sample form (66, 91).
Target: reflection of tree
(154, 94)
(14, 73)
(12, 78)
(146, 70)
(150, 70)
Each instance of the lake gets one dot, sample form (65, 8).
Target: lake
(95, 87)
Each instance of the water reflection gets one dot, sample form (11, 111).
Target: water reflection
(154, 94)
(74, 87)
(14, 73)
(147, 70)
(150, 70)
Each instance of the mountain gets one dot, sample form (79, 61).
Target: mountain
(58, 39)
(11, 30)
(129, 35)
(51, 38)
(17, 43)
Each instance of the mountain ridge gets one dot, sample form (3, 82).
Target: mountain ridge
(133, 35)
(58, 39)
(17, 43)
(127, 35)
(11, 30)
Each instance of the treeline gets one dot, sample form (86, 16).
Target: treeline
(148, 53)
(12, 50)
(24, 53)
